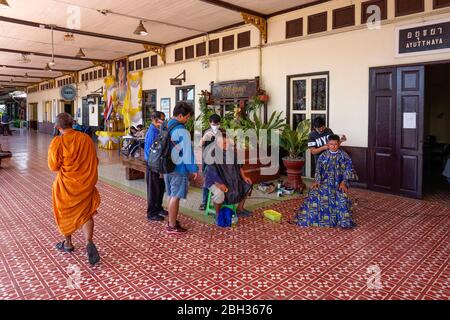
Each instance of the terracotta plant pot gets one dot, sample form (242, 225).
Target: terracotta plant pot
(263, 98)
(294, 171)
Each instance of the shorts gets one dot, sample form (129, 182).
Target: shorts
(176, 185)
(217, 195)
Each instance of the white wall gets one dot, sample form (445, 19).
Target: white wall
(346, 55)
(234, 65)
(84, 89)
(224, 68)
(93, 112)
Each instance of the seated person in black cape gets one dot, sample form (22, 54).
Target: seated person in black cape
(227, 182)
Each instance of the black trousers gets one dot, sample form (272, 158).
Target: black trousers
(155, 192)
(6, 130)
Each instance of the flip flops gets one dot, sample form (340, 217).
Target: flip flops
(244, 213)
(92, 252)
(61, 247)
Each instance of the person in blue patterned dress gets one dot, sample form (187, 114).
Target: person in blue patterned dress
(328, 203)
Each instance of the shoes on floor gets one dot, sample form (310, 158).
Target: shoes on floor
(164, 213)
(202, 207)
(155, 217)
(92, 252)
(61, 246)
(245, 213)
(178, 229)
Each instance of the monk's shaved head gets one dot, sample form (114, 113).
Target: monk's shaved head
(64, 121)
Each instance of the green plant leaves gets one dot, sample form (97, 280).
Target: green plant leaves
(296, 141)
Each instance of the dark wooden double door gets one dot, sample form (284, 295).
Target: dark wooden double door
(396, 119)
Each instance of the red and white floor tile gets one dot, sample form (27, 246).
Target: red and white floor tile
(408, 240)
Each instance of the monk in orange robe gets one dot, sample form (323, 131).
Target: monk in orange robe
(75, 199)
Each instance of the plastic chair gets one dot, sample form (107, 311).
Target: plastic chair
(210, 209)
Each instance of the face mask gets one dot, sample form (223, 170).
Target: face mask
(215, 128)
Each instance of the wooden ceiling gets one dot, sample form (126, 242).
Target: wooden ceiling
(106, 30)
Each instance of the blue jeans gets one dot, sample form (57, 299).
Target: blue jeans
(205, 192)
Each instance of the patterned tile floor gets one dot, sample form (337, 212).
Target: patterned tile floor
(408, 240)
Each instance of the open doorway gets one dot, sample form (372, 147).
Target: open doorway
(69, 107)
(436, 147)
(33, 116)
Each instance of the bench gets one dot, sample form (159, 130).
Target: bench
(135, 168)
(4, 155)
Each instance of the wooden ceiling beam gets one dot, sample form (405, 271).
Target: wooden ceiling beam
(75, 31)
(19, 81)
(49, 55)
(33, 68)
(23, 76)
(233, 7)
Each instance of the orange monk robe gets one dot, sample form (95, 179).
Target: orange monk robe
(75, 198)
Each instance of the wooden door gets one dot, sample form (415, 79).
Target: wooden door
(382, 114)
(396, 130)
(409, 131)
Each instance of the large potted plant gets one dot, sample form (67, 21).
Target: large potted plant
(246, 119)
(295, 142)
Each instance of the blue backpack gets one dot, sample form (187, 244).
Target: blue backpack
(224, 217)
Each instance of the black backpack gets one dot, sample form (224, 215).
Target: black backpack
(160, 159)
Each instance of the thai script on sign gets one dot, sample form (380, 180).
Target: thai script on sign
(425, 38)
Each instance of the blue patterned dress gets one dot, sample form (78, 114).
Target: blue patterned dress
(327, 206)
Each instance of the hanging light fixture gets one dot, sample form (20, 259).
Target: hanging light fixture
(80, 54)
(52, 63)
(4, 4)
(140, 30)
(69, 37)
(26, 75)
(47, 67)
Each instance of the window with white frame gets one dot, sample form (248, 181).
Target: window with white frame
(308, 100)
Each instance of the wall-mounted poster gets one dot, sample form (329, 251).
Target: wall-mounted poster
(165, 107)
(121, 77)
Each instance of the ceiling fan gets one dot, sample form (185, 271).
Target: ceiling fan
(24, 58)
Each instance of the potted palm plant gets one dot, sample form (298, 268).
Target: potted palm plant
(295, 142)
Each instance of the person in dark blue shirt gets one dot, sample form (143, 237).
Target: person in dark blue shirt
(77, 126)
(5, 124)
(155, 181)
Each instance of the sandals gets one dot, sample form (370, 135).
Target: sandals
(244, 213)
(61, 247)
(92, 252)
